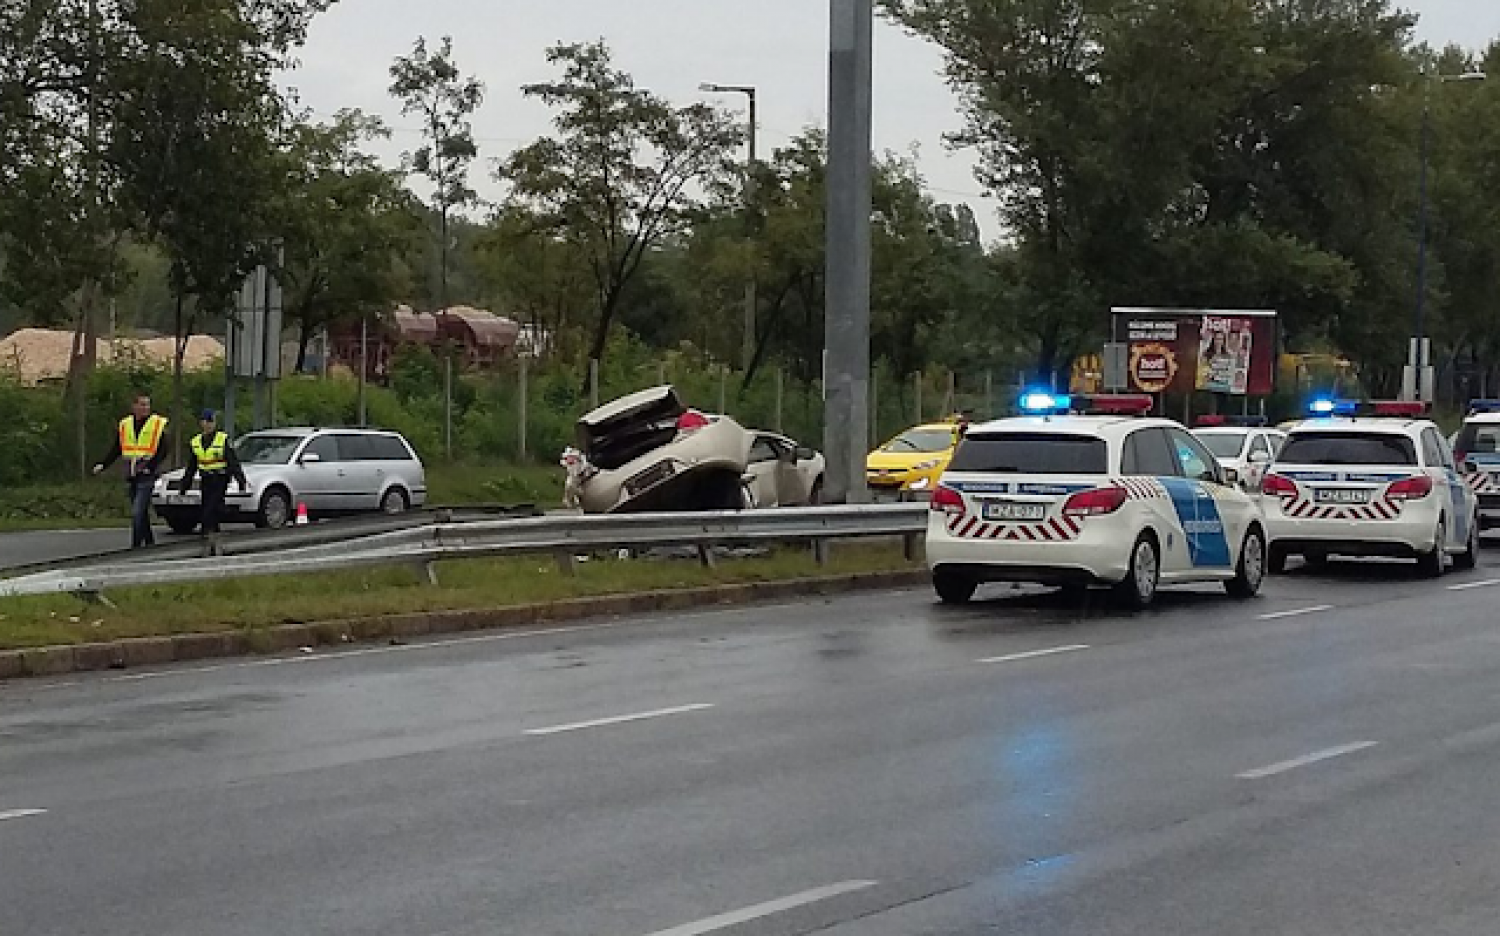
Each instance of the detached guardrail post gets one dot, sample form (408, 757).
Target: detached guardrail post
(820, 550)
(910, 546)
(706, 557)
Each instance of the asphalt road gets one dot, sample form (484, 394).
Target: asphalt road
(1319, 761)
(18, 549)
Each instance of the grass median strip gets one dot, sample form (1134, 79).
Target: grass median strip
(252, 604)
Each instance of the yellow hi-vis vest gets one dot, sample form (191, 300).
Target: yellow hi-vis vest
(210, 457)
(135, 447)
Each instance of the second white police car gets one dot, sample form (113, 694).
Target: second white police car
(1477, 451)
(1090, 491)
(1369, 479)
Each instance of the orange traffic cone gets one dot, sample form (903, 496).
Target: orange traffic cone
(302, 513)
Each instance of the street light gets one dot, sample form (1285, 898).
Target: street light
(1417, 378)
(748, 352)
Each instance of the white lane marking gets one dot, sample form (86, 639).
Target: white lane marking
(20, 813)
(361, 652)
(1468, 585)
(769, 908)
(1306, 759)
(1033, 654)
(1295, 612)
(619, 719)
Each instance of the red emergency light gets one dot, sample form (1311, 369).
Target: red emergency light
(1114, 404)
(1408, 408)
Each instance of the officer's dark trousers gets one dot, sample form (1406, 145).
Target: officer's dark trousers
(215, 486)
(139, 489)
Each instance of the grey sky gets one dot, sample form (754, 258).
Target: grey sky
(670, 46)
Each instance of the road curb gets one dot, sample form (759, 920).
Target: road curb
(284, 638)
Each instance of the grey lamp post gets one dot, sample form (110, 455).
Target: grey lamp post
(748, 351)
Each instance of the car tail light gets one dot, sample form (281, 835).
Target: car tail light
(948, 501)
(1278, 486)
(1093, 503)
(691, 421)
(1414, 488)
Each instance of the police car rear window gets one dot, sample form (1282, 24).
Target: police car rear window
(1479, 439)
(1031, 453)
(1348, 448)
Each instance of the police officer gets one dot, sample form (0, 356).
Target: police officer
(211, 455)
(140, 442)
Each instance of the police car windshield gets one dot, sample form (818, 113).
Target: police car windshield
(266, 449)
(921, 440)
(1348, 448)
(1032, 453)
(1223, 444)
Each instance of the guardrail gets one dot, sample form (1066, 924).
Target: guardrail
(560, 535)
(249, 542)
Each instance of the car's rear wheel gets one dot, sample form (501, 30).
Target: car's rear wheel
(1469, 558)
(275, 510)
(1251, 571)
(1434, 563)
(395, 501)
(954, 588)
(1138, 589)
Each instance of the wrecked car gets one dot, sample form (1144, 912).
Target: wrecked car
(649, 452)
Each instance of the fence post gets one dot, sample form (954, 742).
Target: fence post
(779, 378)
(917, 383)
(448, 403)
(875, 408)
(661, 373)
(989, 394)
(521, 416)
(723, 384)
(593, 383)
(951, 404)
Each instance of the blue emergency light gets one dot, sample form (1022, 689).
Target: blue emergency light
(1042, 402)
(1409, 409)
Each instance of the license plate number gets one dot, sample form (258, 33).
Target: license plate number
(1341, 496)
(1013, 510)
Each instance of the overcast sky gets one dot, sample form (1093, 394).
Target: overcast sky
(670, 46)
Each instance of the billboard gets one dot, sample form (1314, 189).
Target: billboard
(1181, 351)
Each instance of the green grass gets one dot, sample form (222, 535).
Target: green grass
(257, 603)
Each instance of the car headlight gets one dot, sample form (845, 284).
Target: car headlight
(928, 465)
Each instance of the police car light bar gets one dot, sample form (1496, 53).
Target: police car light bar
(1240, 422)
(1041, 402)
(1405, 408)
(1477, 407)
(1114, 404)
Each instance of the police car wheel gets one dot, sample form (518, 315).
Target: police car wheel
(1251, 571)
(1138, 590)
(1433, 564)
(1469, 558)
(953, 588)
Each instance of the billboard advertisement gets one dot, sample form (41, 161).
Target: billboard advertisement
(1182, 351)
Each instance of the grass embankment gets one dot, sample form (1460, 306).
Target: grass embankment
(100, 502)
(252, 604)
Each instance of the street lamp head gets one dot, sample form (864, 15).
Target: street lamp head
(709, 87)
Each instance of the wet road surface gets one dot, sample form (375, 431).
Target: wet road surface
(19, 549)
(1319, 761)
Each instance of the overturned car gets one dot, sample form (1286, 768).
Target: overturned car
(649, 452)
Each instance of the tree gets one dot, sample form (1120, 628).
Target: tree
(345, 223)
(617, 180)
(430, 86)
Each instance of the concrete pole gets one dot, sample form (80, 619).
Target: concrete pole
(846, 340)
(780, 377)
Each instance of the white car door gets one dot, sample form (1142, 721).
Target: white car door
(1214, 515)
(1446, 479)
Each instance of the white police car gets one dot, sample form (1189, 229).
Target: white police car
(1244, 443)
(1369, 479)
(1476, 449)
(1106, 497)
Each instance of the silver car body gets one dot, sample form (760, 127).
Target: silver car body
(1254, 447)
(783, 473)
(330, 471)
(640, 457)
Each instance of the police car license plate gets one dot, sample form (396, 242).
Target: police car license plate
(1342, 495)
(1013, 510)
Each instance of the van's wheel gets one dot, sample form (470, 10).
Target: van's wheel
(1469, 558)
(1138, 589)
(275, 510)
(1251, 571)
(954, 588)
(1434, 563)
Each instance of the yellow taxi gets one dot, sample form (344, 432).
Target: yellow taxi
(913, 461)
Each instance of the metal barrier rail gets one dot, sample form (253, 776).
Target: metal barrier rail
(343, 529)
(434, 542)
